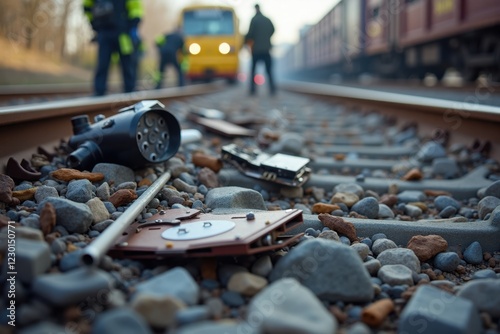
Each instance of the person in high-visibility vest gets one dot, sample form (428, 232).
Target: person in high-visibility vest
(116, 25)
(169, 47)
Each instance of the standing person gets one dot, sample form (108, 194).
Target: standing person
(115, 23)
(169, 45)
(259, 39)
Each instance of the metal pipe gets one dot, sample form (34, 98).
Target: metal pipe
(92, 253)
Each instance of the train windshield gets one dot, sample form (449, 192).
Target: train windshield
(208, 22)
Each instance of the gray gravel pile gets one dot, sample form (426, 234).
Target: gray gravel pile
(343, 276)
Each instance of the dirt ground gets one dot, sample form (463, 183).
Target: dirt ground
(19, 66)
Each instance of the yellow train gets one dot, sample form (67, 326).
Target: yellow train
(212, 40)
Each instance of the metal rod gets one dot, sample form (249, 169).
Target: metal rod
(92, 253)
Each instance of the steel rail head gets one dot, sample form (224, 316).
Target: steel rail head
(93, 253)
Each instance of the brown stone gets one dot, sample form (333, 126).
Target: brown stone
(39, 160)
(6, 186)
(420, 205)
(49, 238)
(430, 273)
(389, 200)
(413, 174)
(426, 247)
(324, 208)
(492, 262)
(24, 195)
(436, 193)
(47, 218)
(339, 157)
(122, 197)
(340, 315)
(339, 225)
(374, 314)
(68, 174)
(208, 177)
(144, 182)
(204, 160)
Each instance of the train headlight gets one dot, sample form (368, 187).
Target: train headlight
(139, 135)
(224, 48)
(194, 48)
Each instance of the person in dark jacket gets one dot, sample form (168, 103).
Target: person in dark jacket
(258, 39)
(169, 47)
(115, 23)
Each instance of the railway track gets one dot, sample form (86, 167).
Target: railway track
(410, 154)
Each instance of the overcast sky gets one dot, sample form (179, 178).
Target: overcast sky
(288, 16)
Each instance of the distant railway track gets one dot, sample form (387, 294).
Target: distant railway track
(29, 125)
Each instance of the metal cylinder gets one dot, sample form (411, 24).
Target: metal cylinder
(93, 253)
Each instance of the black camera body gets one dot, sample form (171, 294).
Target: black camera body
(139, 135)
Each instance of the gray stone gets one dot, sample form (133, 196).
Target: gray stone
(484, 273)
(288, 143)
(157, 311)
(102, 225)
(473, 254)
(352, 188)
(413, 211)
(442, 202)
(71, 260)
(487, 205)
(183, 186)
(176, 282)
(362, 249)
(103, 191)
(75, 217)
(34, 311)
(287, 307)
(359, 328)
(494, 218)
(430, 151)
(127, 185)
(72, 287)
(191, 315)
(484, 293)
(114, 174)
(446, 167)
(402, 256)
(79, 191)
(32, 259)
(120, 320)
(385, 212)
(447, 261)
(493, 189)
(234, 197)
(44, 327)
(322, 266)
(219, 327)
(408, 196)
(224, 272)
(381, 245)
(45, 191)
(433, 310)
(367, 207)
(262, 266)
(448, 212)
(395, 274)
(372, 266)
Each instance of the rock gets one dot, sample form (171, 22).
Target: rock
(348, 199)
(24, 195)
(176, 282)
(75, 217)
(208, 177)
(102, 225)
(484, 294)
(413, 174)
(395, 274)
(339, 225)
(47, 218)
(292, 192)
(380, 245)
(448, 212)
(484, 274)
(246, 284)
(98, 209)
(402, 256)
(43, 192)
(191, 315)
(183, 186)
(473, 254)
(432, 310)
(352, 188)
(103, 191)
(426, 247)
(234, 197)
(408, 196)
(322, 266)
(72, 287)
(32, 259)
(372, 266)
(204, 160)
(430, 151)
(330, 235)
(79, 191)
(287, 307)
(219, 327)
(232, 298)
(6, 186)
(68, 174)
(367, 207)
(226, 271)
(158, 311)
(362, 249)
(320, 208)
(385, 212)
(412, 211)
(114, 174)
(487, 205)
(120, 320)
(122, 197)
(442, 202)
(447, 261)
(493, 189)
(262, 266)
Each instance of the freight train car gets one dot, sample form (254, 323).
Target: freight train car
(403, 38)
